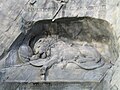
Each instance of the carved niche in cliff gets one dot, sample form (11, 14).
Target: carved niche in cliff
(68, 46)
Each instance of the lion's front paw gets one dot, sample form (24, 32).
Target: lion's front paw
(43, 70)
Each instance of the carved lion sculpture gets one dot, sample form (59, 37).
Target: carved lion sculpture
(85, 56)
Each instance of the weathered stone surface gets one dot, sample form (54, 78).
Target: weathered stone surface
(57, 73)
(11, 12)
(52, 86)
(10, 18)
(43, 28)
(29, 73)
(116, 75)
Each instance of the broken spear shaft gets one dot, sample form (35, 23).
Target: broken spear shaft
(57, 12)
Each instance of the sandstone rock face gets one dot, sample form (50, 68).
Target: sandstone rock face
(12, 11)
(13, 16)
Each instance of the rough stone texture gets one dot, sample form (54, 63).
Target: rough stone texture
(90, 33)
(115, 82)
(29, 73)
(12, 10)
(52, 86)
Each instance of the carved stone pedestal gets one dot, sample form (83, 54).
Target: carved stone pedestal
(27, 77)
